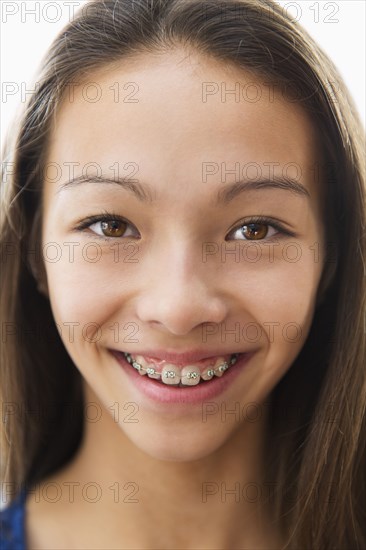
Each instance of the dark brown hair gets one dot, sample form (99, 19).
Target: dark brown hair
(316, 435)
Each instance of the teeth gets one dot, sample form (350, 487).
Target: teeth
(136, 365)
(220, 367)
(208, 373)
(170, 374)
(152, 372)
(189, 375)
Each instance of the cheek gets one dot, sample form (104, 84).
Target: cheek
(86, 297)
(276, 302)
(280, 285)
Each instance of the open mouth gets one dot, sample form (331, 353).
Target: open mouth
(182, 377)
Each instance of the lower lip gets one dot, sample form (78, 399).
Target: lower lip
(163, 393)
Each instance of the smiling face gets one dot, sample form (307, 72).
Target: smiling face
(183, 264)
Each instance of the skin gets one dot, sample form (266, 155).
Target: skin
(169, 453)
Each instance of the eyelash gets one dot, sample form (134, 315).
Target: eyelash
(109, 216)
(262, 220)
(106, 217)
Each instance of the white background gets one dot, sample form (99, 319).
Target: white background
(28, 28)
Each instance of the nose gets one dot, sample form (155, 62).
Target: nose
(180, 294)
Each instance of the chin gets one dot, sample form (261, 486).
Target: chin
(185, 446)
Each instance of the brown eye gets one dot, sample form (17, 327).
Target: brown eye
(254, 231)
(113, 228)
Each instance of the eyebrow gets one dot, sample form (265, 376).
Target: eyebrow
(224, 196)
(141, 191)
(231, 191)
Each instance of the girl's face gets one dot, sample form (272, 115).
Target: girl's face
(183, 154)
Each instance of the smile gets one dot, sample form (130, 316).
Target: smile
(174, 375)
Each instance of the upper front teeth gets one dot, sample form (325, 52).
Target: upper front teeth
(173, 374)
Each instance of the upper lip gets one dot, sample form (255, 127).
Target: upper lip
(184, 357)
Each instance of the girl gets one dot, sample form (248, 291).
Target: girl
(183, 241)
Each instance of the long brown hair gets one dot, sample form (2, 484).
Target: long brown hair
(317, 433)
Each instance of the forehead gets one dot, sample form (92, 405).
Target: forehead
(170, 113)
